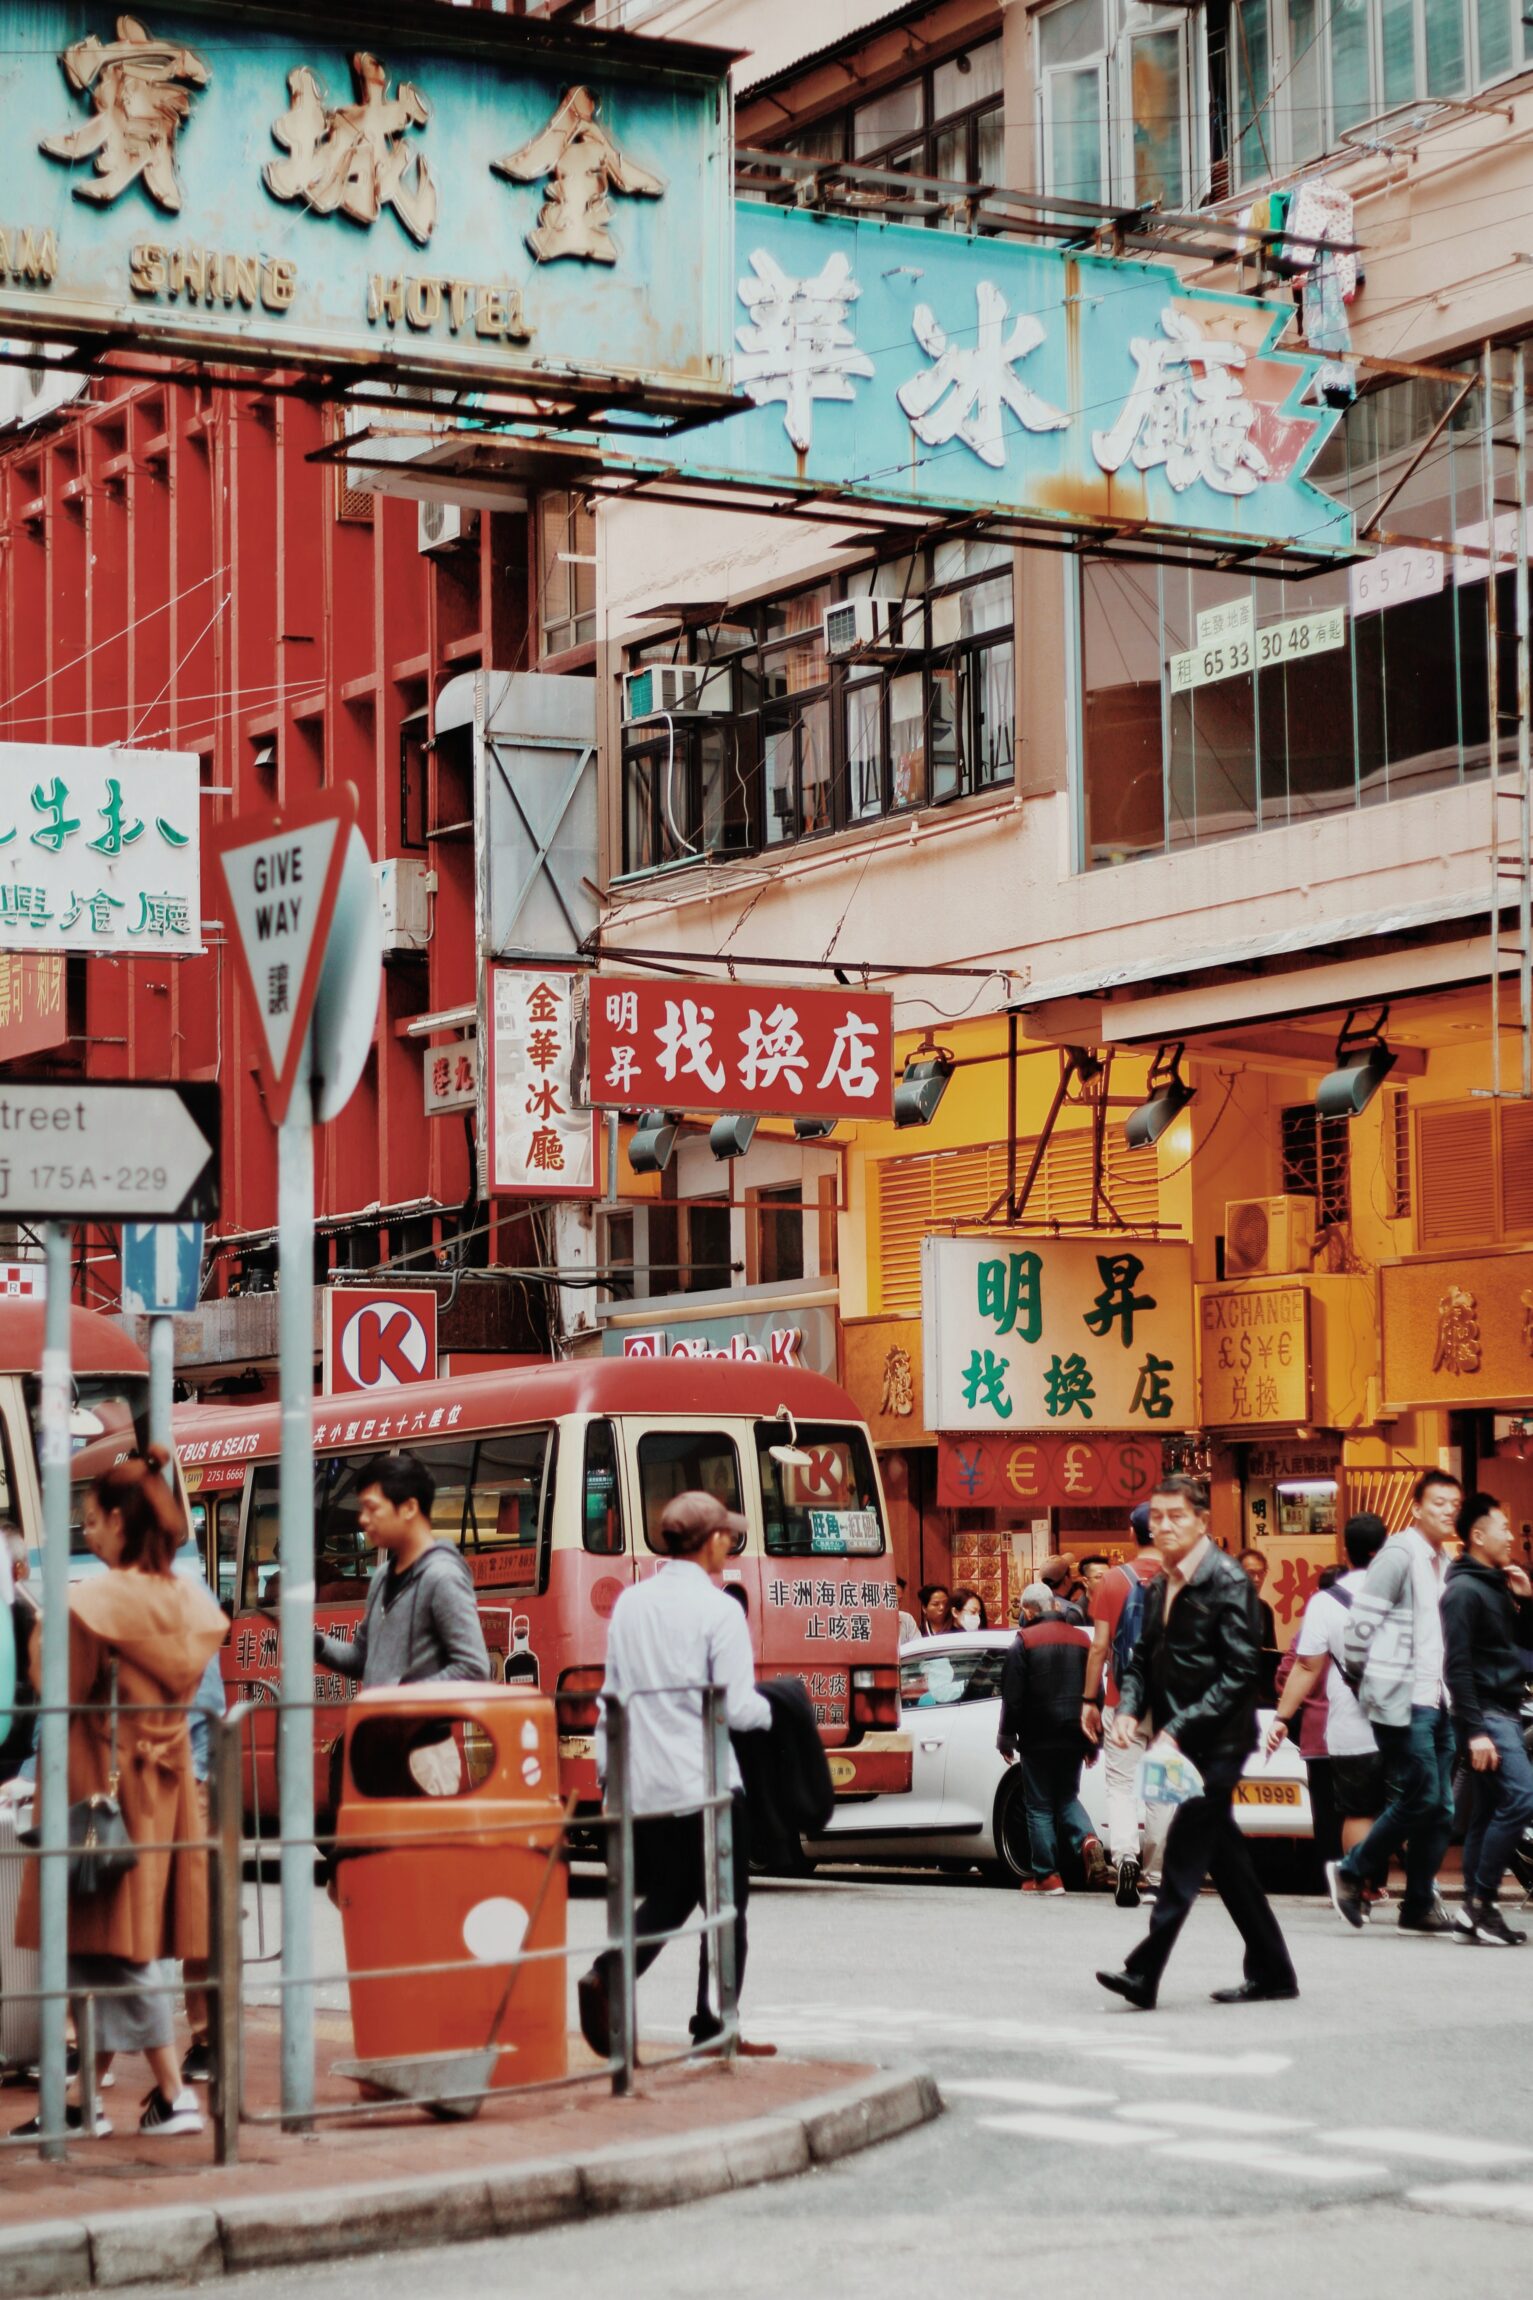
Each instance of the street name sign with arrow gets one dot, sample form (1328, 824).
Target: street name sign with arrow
(75, 1152)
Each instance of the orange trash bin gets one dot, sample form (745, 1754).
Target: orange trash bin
(448, 1845)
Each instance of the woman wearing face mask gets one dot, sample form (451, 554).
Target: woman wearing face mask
(969, 1610)
(140, 1637)
(936, 1609)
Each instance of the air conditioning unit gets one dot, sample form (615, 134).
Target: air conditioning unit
(405, 888)
(442, 526)
(677, 691)
(27, 394)
(865, 627)
(1268, 1237)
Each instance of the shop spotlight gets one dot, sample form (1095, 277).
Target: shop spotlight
(814, 1129)
(1168, 1097)
(1363, 1062)
(732, 1137)
(652, 1142)
(918, 1093)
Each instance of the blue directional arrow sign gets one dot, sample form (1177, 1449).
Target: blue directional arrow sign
(161, 1266)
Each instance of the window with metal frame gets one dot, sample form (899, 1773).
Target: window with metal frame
(1316, 1158)
(1122, 102)
(945, 123)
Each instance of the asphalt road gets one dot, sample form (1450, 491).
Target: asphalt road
(1374, 2138)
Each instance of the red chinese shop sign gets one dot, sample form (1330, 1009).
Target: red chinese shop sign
(740, 1046)
(1049, 1472)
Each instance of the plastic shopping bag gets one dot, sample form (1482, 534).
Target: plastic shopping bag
(1166, 1777)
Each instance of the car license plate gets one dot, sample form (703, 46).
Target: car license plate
(1267, 1793)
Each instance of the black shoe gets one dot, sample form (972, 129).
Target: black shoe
(197, 2068)
(1126, 1890)
(704, 2027)
(1492, 1930)
(1431, 1920)
(595, 2013)
(74, 2119)
(1346, 1896)
(1139, 1993)
(1255, 1993)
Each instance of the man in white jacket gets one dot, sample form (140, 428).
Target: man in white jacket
(1394, 1652)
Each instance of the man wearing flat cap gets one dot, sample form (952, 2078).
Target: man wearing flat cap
(670, 1635)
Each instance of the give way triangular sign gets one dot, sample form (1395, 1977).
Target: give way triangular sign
(281, 872)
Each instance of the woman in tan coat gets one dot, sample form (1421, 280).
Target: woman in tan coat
(159, 1630)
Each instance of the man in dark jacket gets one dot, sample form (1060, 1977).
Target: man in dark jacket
(1487, 1628)
(1194, 1674)
(1041, 1691)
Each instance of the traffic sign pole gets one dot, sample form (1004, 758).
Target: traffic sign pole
(53, 1761)
(295, 1743)
(162, 1362)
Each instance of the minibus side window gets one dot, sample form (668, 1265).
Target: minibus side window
(685, 1461)
(601, 1505)
(227, 1524)
(825, 1506)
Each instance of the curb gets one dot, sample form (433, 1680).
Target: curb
(104, 2251)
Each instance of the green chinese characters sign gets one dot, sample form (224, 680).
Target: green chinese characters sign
(1032, 1333)
(99, 850)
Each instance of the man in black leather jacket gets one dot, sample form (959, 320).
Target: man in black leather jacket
(1195, 1674)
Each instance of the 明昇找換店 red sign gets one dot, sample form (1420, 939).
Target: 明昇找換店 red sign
(740, 1046)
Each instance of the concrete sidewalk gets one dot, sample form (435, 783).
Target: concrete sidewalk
(127, 2209)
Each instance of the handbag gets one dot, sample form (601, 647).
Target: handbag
(101, 1852)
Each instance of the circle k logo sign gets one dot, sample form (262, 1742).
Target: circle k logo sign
(377, 1339)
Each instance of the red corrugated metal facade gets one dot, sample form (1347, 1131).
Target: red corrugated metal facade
(175, 571)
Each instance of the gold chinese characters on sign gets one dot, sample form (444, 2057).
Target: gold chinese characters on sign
(140, 92)
(354, 157)
(1459, 1332)
(1254, 1358)
(899, 1396)
(582, 164)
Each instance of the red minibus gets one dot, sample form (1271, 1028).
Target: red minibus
(108, 1417)
(550, 1480)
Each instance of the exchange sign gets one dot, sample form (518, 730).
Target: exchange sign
(1079, 1334)
(1034, 1473)
(740, 1046)
(449, 198)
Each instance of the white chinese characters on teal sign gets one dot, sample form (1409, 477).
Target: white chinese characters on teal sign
(1033, 1333)
(99, 850)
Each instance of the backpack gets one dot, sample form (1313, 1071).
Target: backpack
(1130, 1624)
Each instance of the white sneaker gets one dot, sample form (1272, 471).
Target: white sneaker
(166, 2119)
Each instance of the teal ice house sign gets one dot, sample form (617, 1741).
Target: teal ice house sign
(430, 195)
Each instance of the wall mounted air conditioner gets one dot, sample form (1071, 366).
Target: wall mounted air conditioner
(442, 526)
(677, 691)
(29, 393)
(866, 627)
(1268, 1237)
(405, 887)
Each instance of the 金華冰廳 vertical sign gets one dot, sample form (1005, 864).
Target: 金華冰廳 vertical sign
(542, 1140)
(1031, 1333)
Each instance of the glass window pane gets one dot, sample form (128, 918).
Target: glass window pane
(950, 161)
(990, 158)
(1351, 93)
(966, 80)
(814, 766)
(898, 112)
(907, 738)
(1155, 79)
(685, 1461)
(780, 776)
(995, 705)
(830, 1508)
(1251, 48)
(1447, 48)
(865, 749)
(1305, 103)
(986, 606)
(1122, 736)
(1493, 27)
(946, 731)
(1397, 39)
(1070, 34)
(1073, 102)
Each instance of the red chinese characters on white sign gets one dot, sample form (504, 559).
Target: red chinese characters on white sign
(542, 1141)
(740, 1046)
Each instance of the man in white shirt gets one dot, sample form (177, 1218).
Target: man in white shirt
(669, 1636)
(1394, 1646)
(1356, 1768)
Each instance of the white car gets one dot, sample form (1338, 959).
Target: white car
(964, 1803)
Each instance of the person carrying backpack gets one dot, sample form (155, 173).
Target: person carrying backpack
(1117, 1620)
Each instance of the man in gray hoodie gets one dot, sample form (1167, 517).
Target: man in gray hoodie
(421, 1622)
